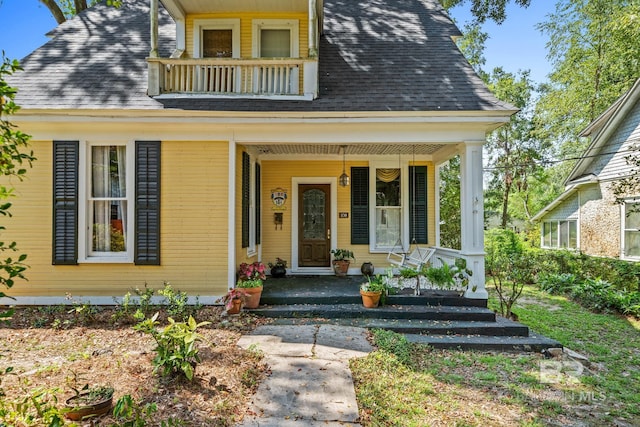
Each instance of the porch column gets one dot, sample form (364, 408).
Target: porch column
(153, 80)
(472, 209)
(231, 216)
(313, 29)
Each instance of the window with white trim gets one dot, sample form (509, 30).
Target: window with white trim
(275, 38)
(631, 229)
(388, 207)
(216, 38)
(106, 210)
(560, 234)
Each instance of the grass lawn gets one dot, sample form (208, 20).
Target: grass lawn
(403, 384)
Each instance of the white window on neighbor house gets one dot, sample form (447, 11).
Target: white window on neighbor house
(560, 234)
(106, 213)
(631, 229)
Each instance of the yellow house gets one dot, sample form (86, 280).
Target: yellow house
(176, 140)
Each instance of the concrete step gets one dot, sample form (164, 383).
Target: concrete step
(353, 297)
(501, 327)
(532, 343)
(390, 312)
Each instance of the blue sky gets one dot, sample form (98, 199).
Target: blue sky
(514, 45)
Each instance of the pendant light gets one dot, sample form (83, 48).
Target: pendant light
(344, 178)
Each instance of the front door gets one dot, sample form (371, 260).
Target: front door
(314, 225)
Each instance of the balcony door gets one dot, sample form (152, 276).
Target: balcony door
(276, 39)
(219, 39)
(314, 225)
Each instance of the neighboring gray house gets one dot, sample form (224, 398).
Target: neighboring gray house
(586, 217)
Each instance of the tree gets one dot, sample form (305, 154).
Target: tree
(494, 10)
(61, 10)
(514, 152)
(450, 215)
(12, 158)
(594, 47)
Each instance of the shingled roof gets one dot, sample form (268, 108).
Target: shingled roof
(379, 55)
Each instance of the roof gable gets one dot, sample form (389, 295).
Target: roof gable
(602, 128)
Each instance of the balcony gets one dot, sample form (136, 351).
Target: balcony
(242, 78)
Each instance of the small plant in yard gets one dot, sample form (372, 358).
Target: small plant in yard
(177, 351)
(130, 413)
(177, 303)
(509, 267)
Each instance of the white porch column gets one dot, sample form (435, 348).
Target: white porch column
(472, 209)
(231, 216)
(313, 29)
(153, 79)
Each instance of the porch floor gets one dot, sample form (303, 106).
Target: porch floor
(440, 319)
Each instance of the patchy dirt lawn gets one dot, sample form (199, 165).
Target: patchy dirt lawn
(47, 348)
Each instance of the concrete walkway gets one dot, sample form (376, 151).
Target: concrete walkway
(310, 382)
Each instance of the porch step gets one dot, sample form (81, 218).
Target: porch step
(348, 311)
(501, 327)
(425, 299)
(530, 343)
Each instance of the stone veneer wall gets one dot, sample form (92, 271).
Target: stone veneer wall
(599, 221)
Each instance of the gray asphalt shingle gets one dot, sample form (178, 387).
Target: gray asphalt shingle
(378, 55)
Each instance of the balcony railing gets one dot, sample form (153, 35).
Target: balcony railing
(288, 78)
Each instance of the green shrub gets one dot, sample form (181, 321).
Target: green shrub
(393, 343)
(557, 283)
(177, 303)
(177, 351)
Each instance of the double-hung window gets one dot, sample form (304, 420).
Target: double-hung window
(560, 234)
(108, 201)
(631, 229)
(273, 39)
(388, 207)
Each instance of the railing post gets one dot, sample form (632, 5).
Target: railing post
(310, 78)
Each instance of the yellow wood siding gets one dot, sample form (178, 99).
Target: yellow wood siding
(246, 36)
(277, 242)
(193, 229)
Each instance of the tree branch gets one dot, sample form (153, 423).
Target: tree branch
(55, 10)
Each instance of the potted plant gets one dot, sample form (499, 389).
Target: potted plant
(372, 290)
(250, 277)
(341, 260)
(449, 277)
(234, 299)
(278, 268)
(89, 402)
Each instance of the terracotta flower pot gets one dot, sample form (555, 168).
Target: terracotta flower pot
(78, 411)
(235, 307)
(370, 299)
(253, 300)
(341, 267)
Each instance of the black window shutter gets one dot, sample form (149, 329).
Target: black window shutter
(418, 204)
(258, 204)
(147, 203)
(246, 188)
(359, 205)
(65, 202)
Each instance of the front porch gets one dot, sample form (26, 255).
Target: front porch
(439, 319)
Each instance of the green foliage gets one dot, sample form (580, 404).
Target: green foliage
(393, 343)
(177, 303)
(176, 350)
(12, 162)
(38, 407)
(130, 413)
(448, 276)
(557, 283)
(450, 215)
(509, 266)
(342, 254)
(494, 10)
(595, 49)
(376, 283)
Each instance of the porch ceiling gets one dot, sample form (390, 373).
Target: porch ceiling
(353, 149)
(207, 6)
